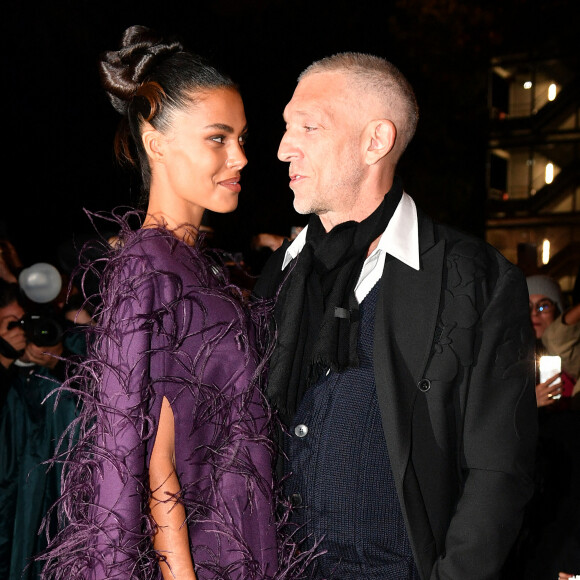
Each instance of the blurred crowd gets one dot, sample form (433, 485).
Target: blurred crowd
(41, 332)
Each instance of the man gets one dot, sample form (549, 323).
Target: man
(403, 366)
(30, 429)
(12, 337)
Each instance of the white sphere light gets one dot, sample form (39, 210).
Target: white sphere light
(41, 282)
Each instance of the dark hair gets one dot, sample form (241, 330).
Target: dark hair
(10, 256)
(9, 293)
(147, 80)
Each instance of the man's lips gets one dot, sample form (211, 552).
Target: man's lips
(296, 177)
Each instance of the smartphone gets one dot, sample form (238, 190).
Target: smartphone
(550, 366)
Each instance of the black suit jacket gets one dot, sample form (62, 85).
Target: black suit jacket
(454, 370)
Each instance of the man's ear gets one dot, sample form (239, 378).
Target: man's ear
(380, 140)
(153, 143)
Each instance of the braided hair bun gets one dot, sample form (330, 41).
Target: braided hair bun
(124, 70)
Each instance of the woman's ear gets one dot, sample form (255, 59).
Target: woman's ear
(153, 143)
(380, 140)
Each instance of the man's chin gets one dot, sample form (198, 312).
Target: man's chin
(302, 206)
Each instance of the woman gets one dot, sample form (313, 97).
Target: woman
(550, 537)
(557, 333)
(172, 474)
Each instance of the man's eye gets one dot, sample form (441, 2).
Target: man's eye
(309, 128)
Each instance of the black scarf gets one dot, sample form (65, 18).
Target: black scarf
(317, 311)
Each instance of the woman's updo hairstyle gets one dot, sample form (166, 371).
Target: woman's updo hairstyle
(147, 80)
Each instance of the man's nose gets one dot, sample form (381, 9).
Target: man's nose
(287, 149)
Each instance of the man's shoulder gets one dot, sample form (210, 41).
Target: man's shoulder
(272, 274)
(463, 245)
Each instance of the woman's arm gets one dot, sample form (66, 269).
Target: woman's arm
(171, 539)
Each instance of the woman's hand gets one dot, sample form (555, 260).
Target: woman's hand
(545, 391)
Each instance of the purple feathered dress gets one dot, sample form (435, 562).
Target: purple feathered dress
(169, 327)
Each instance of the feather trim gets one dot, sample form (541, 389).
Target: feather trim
(169, 324)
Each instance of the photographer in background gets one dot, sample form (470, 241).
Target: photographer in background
(34, 345)
(12, 339)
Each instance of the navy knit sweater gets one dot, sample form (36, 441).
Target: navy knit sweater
(341, 482)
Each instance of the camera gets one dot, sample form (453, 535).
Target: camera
(41, 330)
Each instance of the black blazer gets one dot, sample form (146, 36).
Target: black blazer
(454, 369)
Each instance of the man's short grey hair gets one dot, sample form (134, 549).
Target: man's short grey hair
(373, 74)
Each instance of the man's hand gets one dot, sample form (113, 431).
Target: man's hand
(15, 337)
(45, 356)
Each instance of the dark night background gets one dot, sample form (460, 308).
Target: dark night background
(58, 126)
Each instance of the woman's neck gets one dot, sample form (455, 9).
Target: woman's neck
(185, 231)
(179, 218)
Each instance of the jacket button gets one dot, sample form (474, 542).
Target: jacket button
(424, 385)
(296, 500)
(301, 430)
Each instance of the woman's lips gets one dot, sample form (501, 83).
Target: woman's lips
(232, 184)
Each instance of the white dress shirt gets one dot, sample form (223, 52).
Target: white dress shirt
(400, 239)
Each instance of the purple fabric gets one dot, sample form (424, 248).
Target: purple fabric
(171, 327)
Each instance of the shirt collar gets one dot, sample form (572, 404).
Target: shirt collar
(400, 238)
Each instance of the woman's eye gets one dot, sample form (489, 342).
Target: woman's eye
(218, 139)
(309, 128)
(243, 139)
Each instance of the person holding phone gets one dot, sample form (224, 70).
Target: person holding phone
(550, 538)
(558, 334)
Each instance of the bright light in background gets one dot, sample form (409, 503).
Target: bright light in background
(549, 173)
(552, 92)
(528, 85)
(545, 251)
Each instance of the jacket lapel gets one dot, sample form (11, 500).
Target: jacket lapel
(405, 326)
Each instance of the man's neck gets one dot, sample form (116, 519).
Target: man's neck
(357, 214)
(370, 196)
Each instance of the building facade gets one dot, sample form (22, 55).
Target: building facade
(533, 165)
